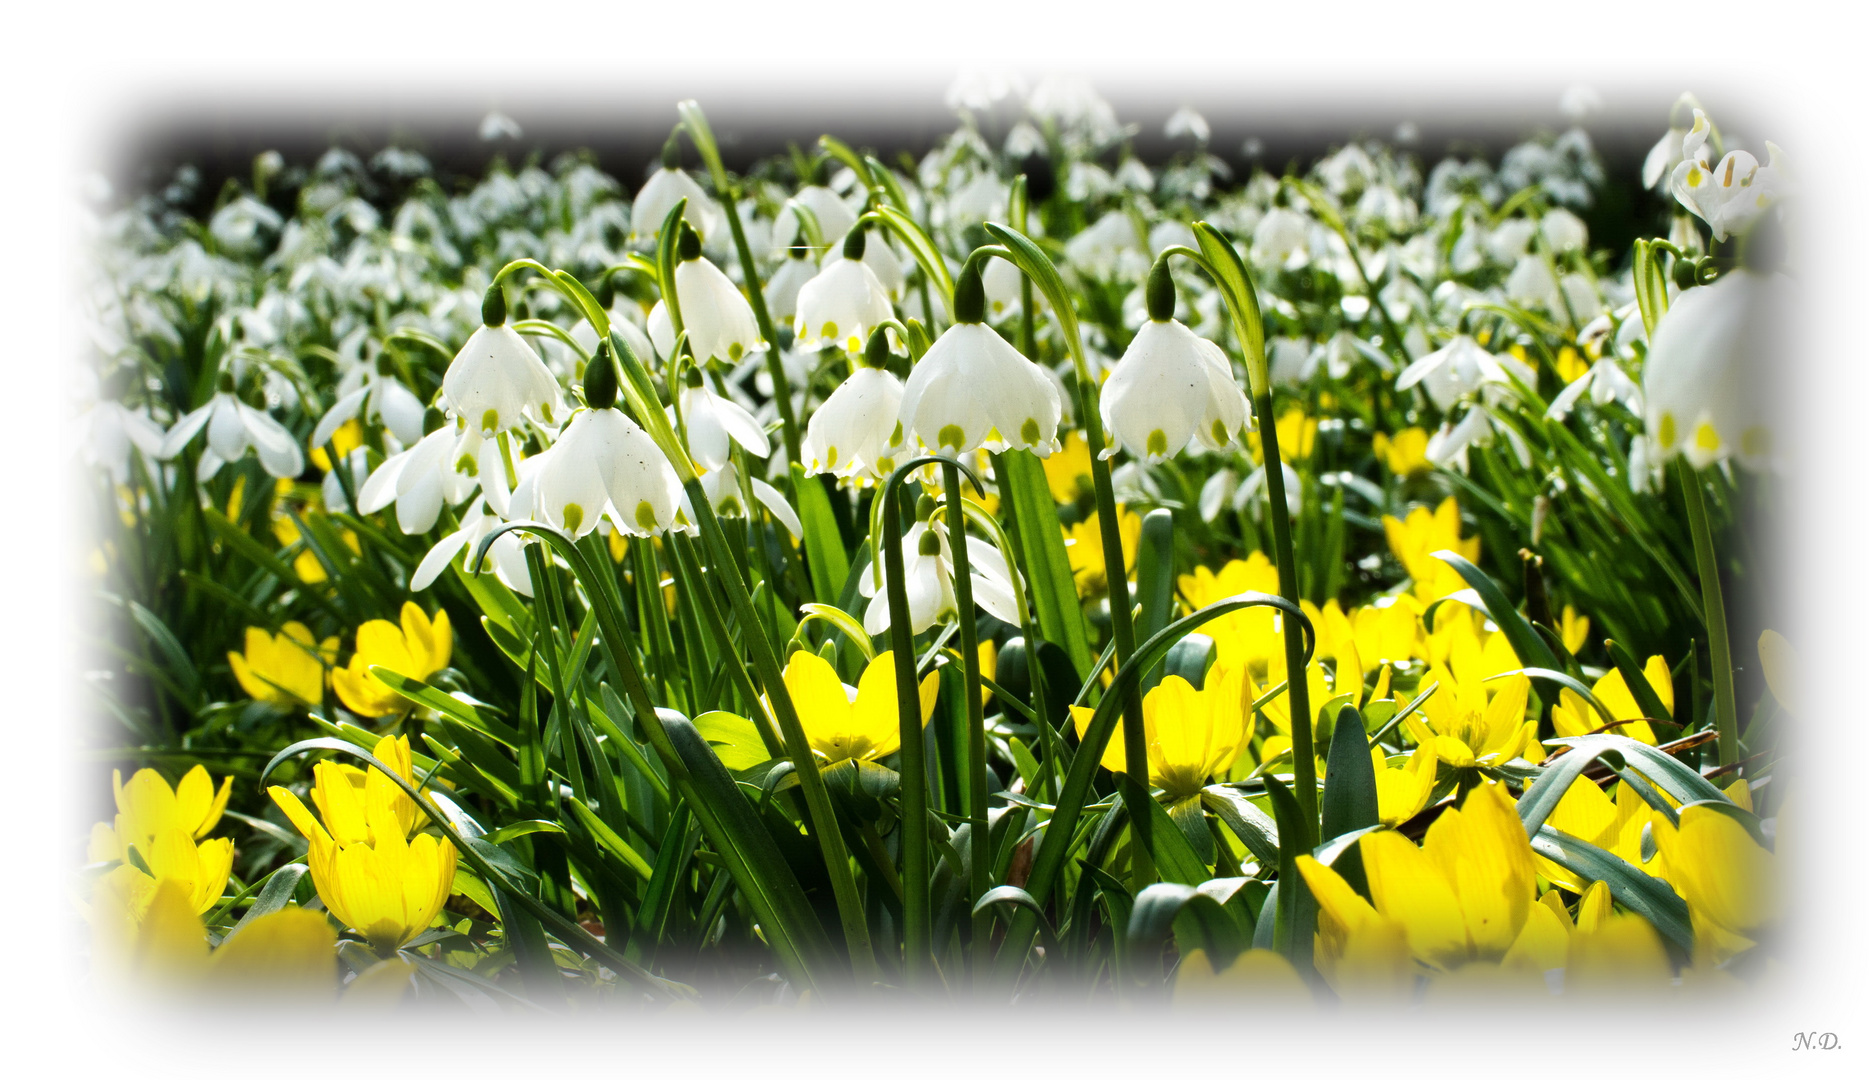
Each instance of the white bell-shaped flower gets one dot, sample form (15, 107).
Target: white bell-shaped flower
(111, 430)
(715, 423)
(1171, 386)
(232, 427)
(496, 380)
(506, 558)
(602, 463)
(443, 466)
(857, 432)
(1666, 153)
(1460, 367)
(882, 261)
(973, 389)
(1280, 235)
(841, 305)
(380, 398)
(928, 574)
(1604, 382)
(723, 491)
(834, 215)
(1730, 195)
(1003, 293)
(787, 281)
(718, 318)
(659, 195)
(1701, 382)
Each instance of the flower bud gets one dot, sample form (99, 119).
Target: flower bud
(600, 379)
(688, 246)
(493, 307)
(1160, 292)
(970, 297)
(924, 507)
(671, 150)
(854, 243)
(876, 352)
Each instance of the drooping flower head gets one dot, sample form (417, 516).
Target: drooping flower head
(1172, 386)
(973, 389)
(496, 379)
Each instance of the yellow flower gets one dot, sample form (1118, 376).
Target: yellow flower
(1724, 875)
(306, 565)
(1402, 793)
(348, 437)
(1574, 630)
(1249, 637)
(1255, 973)
(1297, 437)
(1414, 540)
(161, 937)
(415, 650)
(840, 722)
(1192, 734)
(1067, 471)
(1573, 716)
(287, 670)
(148, 807)
(1778, 662)
(1381, 635)
(1083, 545)
(1463, 897)
(1466, 729)
(1570, 366)
(369, 872)
(200, 870)
(1588, 813)
(1406, 454)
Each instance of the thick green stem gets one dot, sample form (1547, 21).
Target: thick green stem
(820, 815)
(1303, 753)
(917, 931)
(978, 854)
(1713, 605)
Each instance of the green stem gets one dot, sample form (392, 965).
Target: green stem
(977, 855)
(1303, 752)
(1713, 605)
(917, 931)
(817, 797)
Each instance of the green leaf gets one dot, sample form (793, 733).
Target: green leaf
(1047, 568)
(1190, 658)
(1252, 825)
(1645, 697)
(1168, 906)
(1155, 571)
(825, 556)
(1670, 773)
(1296, 918)
(446, 704)
(280, 885)
(1526, 644)
(1647, 896)
(734, 739)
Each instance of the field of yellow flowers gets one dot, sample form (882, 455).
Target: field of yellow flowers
(1023, 573)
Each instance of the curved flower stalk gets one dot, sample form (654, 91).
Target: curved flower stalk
(1171, 387)
(286, 670)
(416, 650)
(232, 427)
(844, 722)
(370, 872)
(973, 389)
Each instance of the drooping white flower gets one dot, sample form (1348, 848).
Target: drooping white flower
(506, 558)
(973, 389)
(496, 380)
(232, 427)
(857, 432)
(834, 216)
(786, 282)
(602, 464)
(718, 319)
(658, 196)
(928, 574)
(1170, 387)
(1604, 382)
(1002, 280)
(1666, 153)
(723, 491)
(1110, 247)
(841, 305)
(444, 465)
(715, 422)
(1457, 368)
(381, 398)
(1280, 235)
(882, 261)
(1703, 396)
(111, 430)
